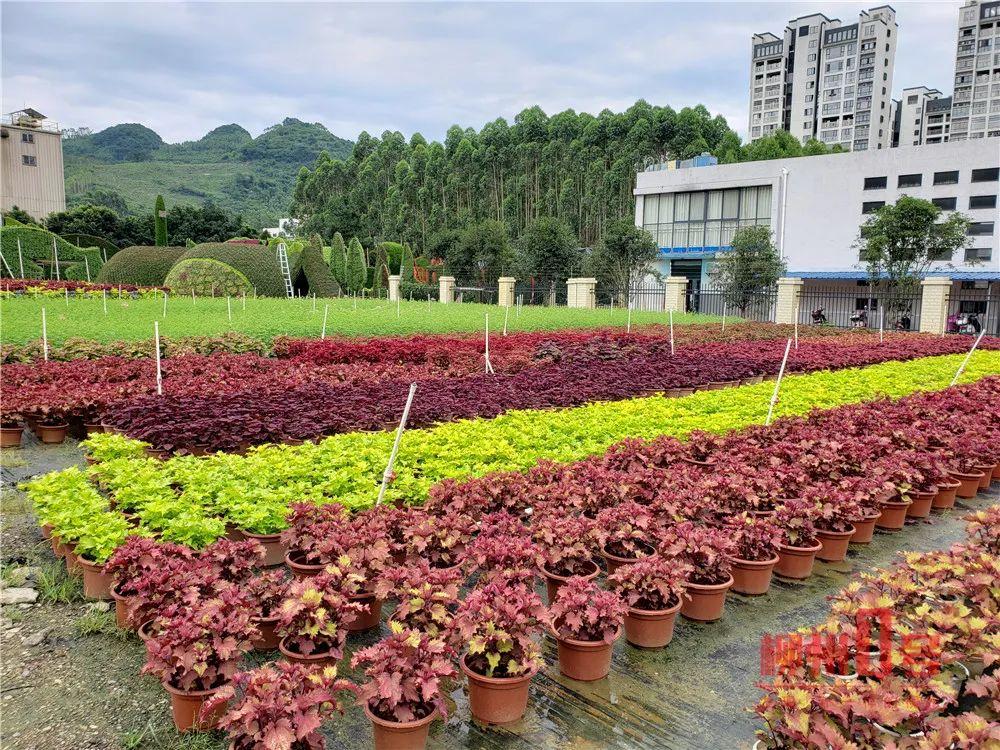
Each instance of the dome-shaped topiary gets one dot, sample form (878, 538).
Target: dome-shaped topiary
(257, 263)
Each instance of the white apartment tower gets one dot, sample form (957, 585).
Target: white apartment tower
(825, 80)
(975, 109)
(912, 106)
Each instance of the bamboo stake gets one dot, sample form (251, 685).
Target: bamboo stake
(55, 254)
(777, 383)
(66, 290)
(326, 310)
(229, 307)
(968, 356)
(244, 300)
(671, 333)
(628, 325)
(159, 371)
(724, 310)
(397, 307)
(86, 264)
(797, 326)
(45, 338)
(489, 366)
(395, 445)
(881, 324)
(20, 259)
(506, 315)
(164, 303)
(105, 296)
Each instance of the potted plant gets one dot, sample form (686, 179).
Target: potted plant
(625, 534)
(756, 541)
(52, 428)
(428, 597)
(263, 523)
(132, 562)
(313, 620)
(268, 590)
(700, 449)
(707, 551)
(95, 545)
(231, 561)
(196, 649)
(654, 588)
(362, 555)
(439, 539)
(799, 543)
(498, 623)
(504, 548)
(11, 430)
(309, 527)
(403, 693)
(834, 530)
(393, 522)
(567, 542)
(280, 706)
(586, 621)
(903, 479)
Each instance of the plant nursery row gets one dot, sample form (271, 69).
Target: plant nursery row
(675, 526)
(39, 288)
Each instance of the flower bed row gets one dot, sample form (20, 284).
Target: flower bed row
(190, 500)
(43, 288)
(907, 658)
(674, 523)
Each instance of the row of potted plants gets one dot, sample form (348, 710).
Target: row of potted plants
(53, 288)
(906, 659)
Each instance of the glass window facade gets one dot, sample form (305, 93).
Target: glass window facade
(704, 219)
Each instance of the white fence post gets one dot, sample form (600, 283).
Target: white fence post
(777, 383)
(395, 445)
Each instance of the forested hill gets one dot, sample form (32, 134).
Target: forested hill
(576, 166)
(126, 166)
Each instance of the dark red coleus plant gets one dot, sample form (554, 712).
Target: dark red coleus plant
(567, 542)
(707, 550)
(439, 539)
(268, 589)
(314, 615)
(137, 558)
(583, 611)
(309, 526)
(653, 583)
(233, 561)
(427, 596)
(626, 530)
(797, 520)
(755, 538)
(504, 548)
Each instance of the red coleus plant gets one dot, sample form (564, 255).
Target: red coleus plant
(279, 706)
(440, 539)
(198, 647)
(835, 510)
(392, 521)
(498, 622)
(567, 542)
(268, 589)
(707, 550)
(583, 611)
(314, 614)
(653, 583)
(177, 579)
(755, 538)
(427, 596)
(405, 672)
(137, 558)
(626, 530)
(983, 529)
(504, 548)
(360, 545)
(309, 526)
(233, 561)
(797, 520)
(701, 445)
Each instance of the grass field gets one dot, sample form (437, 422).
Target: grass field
(131, 319)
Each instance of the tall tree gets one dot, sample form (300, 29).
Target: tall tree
(483, 252)
(548, 248)
(623, 256)
(160, 221)
(753, 265)
(357, 271)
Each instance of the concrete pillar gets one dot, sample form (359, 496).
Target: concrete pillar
(581, 292)
(393, 288)
(786, 307)
(675, 294)
(505, 294)
(934, 299)
(446, 289)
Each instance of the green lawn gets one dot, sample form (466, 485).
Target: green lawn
(21, 318)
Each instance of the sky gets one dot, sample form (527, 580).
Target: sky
(185, 68)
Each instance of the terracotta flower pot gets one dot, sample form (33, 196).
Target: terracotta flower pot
(46, 530)
(920, 503)
(613, 562)
(968, 483)
(752, 577)
(893, 515)
(10, 437)
(650, 628)
(945, 497)
(996, 473)
(370, 615)
(52, 434)
(553, 581)
(497, 700)
(834, 544)
(96, 583)
(59, 548)
(753, 380)
(186, 706)
(321, 658)
(706, 603)
(585, 661)
(274, 550)
(267, 639)
(73, 566)
(796, 562)
(301, 569)
(987, 470)
(678, 392)
(864, 529)
(93, 428)
(124, 606)
(400, 735)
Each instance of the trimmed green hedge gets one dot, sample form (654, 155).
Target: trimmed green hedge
(259, 264)
(207, 277)
(108, 247)
(317, 272)
(36, 252)
(144, 265)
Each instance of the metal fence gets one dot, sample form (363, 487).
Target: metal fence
(863, 307)
(541, 291)
(649, 296)
(475, 291)
(755, 304)
(970, 307)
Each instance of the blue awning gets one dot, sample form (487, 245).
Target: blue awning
(860, 275)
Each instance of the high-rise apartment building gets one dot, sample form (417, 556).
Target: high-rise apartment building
(975, 111)
(912, 111)
(825, 80)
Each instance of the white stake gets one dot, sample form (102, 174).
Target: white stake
(881, 324)
(156, 344)
(397, 307)
(395, 445)
(192, 297)
(229, 307)
(105, 295)
(777, 383)
(671, 333)
(66, 290)
(489, 367)
(965, 361)
(314, 302)
(244, 300)
(55, 254)
(20, 259)
(796, 326)
(326, 309)
(506, 314)
(628, 325)
(724, 309)
(164, 303)
(45, 338)
(612, 306)
(86, 264)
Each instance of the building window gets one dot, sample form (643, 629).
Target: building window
(946, 204)
(870, 207)
(983, 201)
(29, 161)
(909, 180)
(974, 254)
(27, 137)
(946, 178)
(991, 174)
(941, 255)
(912, 99)
(980, 228)
(704, 219)
(875, 183)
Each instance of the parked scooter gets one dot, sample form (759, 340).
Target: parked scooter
(860, 319)
(904, 323)
(818, 317)
(968, 323)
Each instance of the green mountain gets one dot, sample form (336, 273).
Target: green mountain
(126, 166)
